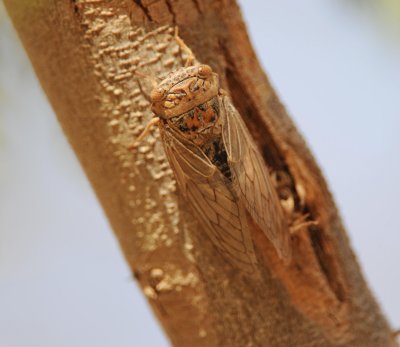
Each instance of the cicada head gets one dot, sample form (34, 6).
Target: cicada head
(183, 90)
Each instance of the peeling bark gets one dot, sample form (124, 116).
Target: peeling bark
(85, 54)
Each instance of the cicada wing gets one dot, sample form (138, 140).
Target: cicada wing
(219, 213)
(251, 179)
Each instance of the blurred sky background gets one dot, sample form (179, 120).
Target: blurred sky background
(63, 280)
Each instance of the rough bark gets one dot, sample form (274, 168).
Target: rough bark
(85, 54)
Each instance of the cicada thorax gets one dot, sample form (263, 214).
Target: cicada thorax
(199, 123)
(201, 126)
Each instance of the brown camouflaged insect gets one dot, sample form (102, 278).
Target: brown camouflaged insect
(217, 166)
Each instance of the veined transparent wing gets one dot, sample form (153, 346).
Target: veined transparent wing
(251, 181)
(221, 215)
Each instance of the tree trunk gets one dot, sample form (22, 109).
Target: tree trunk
(85, 53)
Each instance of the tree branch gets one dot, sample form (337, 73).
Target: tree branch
(85, 54)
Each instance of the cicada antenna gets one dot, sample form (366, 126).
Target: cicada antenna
(154, 82)
(153, 79)
(191, 58)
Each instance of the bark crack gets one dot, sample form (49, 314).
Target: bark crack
(143, 8)
(75, 7)
(277, 162)
(325, 262)
(197, 5)
(171, 10)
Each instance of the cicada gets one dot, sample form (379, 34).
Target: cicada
(217, 167)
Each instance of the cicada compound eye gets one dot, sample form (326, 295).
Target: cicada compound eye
(204, 71)
(157, 94)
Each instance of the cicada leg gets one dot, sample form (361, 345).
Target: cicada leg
(301, 223)
(149, 126)
(191, 58)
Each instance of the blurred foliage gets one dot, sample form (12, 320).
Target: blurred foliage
(388, 9)
(391, 9)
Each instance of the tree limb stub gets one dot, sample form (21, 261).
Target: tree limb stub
(86, 54)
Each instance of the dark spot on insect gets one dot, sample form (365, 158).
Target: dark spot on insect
(202, 107)
(221, 160)
(191, 114)
(215, 106)
(216, 152)
(183, 128)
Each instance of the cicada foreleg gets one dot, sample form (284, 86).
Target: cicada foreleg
(149, 126)
(300, 223)
(190, 60)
